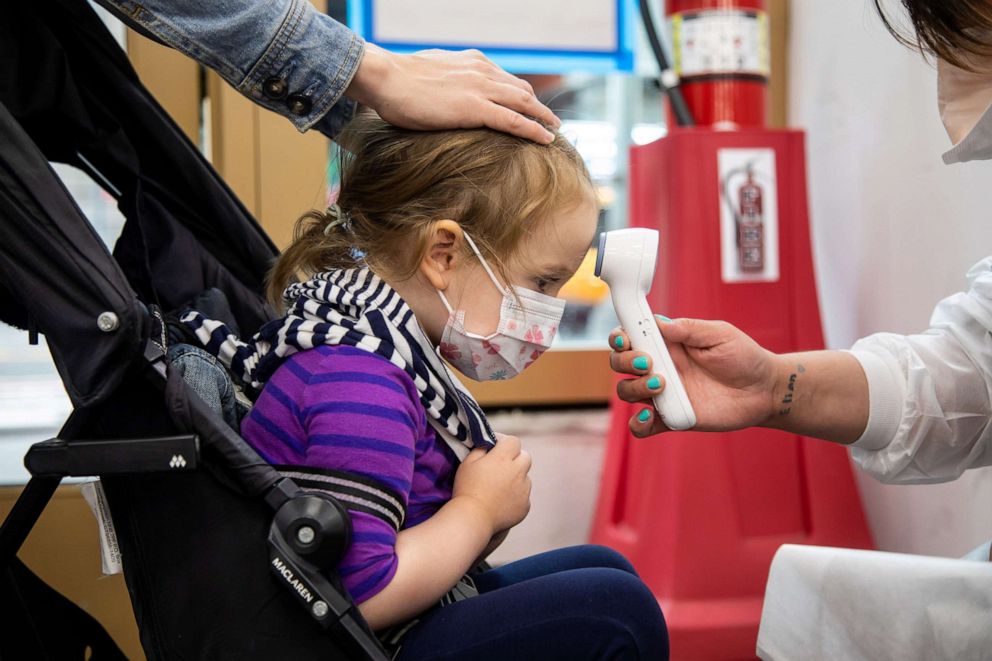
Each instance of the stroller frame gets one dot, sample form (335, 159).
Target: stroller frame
(70, 95)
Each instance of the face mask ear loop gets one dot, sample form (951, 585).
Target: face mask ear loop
(485, 265)
(444, 299)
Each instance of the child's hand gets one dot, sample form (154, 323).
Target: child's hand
(491, 494)
(497, 481)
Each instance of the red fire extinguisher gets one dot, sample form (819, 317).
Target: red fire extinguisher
(720, 53)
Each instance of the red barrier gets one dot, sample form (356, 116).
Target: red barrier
(701, 515)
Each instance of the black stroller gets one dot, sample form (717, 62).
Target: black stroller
(223, 557)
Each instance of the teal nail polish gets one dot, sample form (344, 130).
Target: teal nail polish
(644, 415)
(641, 363)
(663, 318)
(618, 342)
(654, 383)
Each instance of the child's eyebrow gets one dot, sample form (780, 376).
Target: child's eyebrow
(555, 271)
(562, 269)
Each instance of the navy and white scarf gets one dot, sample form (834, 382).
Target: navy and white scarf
(352, 307)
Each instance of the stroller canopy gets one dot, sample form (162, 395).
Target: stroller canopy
(68, 94)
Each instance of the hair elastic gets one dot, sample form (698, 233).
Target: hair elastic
(338, 218)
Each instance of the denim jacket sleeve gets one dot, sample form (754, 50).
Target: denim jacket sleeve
(282, 54)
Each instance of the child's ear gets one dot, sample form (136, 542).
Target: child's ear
(443, 255)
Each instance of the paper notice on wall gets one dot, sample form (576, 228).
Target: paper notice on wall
(586, 25)
(748, 215)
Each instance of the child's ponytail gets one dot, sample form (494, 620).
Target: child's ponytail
(320, 242)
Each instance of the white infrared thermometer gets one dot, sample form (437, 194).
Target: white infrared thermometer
(625, 261)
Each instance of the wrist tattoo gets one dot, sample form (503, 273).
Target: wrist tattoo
(790, 391)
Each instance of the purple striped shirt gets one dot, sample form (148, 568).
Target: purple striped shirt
(341, 408)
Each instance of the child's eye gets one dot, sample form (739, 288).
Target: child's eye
(543, 283)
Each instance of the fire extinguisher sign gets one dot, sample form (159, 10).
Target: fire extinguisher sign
(748, 215)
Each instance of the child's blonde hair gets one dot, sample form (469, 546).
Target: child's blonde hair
(395, 183)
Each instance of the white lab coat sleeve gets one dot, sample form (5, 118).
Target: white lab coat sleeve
(930, 395)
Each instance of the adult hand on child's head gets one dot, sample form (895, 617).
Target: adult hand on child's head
(728, 376)
(438, 89)
(497, 480)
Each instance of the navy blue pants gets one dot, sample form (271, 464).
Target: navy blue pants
(583, 602)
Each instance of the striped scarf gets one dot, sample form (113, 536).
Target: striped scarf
(352, 307)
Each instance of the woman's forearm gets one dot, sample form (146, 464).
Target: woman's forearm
(432, 556)
(823, 394)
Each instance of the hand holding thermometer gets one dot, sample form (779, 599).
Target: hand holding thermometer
(625, 261)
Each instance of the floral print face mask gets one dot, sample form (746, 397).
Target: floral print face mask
(526, 330)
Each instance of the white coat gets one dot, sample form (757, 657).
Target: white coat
(930, 419)
(930, 395)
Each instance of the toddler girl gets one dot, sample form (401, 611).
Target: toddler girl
(450, 244)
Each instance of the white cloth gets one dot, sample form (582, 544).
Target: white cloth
(930, 395)
(825, 603)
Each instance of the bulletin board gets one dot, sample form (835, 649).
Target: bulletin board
(522, 36)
